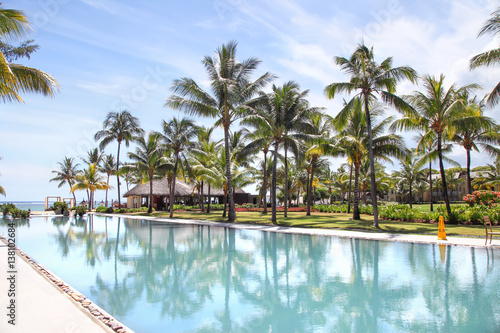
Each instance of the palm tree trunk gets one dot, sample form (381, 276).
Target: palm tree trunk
(310, 194)
(232, 212)
(350, 191)
(411, 197)
(224, 211)
(430, 185)
(73, 192)
(469, 182)
(443, 177)
(372, 164)
(107, 183)
(355, 210)
(202, 201)
(209, 198)
(273, 184)
(285, 208)
(150, 208)
(118, 173)
(172, 190)
(264, 185)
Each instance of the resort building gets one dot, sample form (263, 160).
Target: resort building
(185, 193)
(456, 191)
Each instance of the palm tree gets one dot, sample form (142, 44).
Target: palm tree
(317, 146)
(371, 79)
(489, 178)
(150, 161)
(109, 168)
(91, 181)
(410, 173)
(260, 139)
(353, 128)
(284, 113)
(473, 130)
(434, 112)
(17, 78)
(178, 135)
(491, 57)
(204, 156)
(122, 127)
(94, 156)
(231, 85)
(66, 173)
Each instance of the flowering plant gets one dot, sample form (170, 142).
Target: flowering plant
(484, 198)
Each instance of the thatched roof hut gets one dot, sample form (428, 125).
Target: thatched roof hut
(161, 192)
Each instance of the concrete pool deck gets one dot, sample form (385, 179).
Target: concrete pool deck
(43, 302)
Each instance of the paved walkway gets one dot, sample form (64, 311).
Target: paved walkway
(40, 306)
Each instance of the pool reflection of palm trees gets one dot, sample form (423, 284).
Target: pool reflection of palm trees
(293, 283)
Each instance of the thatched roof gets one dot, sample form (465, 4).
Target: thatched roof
(161, 188)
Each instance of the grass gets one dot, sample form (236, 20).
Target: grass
(426, 208)
(332, 221)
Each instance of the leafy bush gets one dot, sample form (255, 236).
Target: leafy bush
(80, 210)
(6, 208)
(104, 209)
(19, 213)
(62, 206)
(14, 212)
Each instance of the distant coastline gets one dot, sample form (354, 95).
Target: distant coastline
(32, 204)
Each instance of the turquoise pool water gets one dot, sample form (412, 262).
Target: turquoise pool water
(157, 277)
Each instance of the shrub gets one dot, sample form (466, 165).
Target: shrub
(62, 206)
(104, 209)
(80, 210)
(484, 198)
(6, 208)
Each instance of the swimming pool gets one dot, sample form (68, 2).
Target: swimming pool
(166, 277)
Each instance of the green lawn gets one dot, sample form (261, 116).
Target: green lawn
(333, 221)
(426, 208)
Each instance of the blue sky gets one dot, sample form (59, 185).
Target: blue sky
(113, 55)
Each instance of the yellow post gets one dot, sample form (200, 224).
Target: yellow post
(441, 231)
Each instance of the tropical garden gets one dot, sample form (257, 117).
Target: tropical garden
(269, 135)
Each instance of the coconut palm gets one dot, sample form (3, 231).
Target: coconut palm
(285, 114)
(260, 140)
(353, 128)
(434, 112)
(491, 57)
(231, 86)
(108, 167)
(177, 137)
(16, 78)
(94, 156)
(316, 147)
(488, 179)
(475, 130)
(149, 160)
(370, 79)
(89, 180)
(203, 157)
(66, 173)
(410, 173)
(119, 126)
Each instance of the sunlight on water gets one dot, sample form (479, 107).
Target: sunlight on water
(166, 277)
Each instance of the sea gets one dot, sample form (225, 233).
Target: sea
(33, 205)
